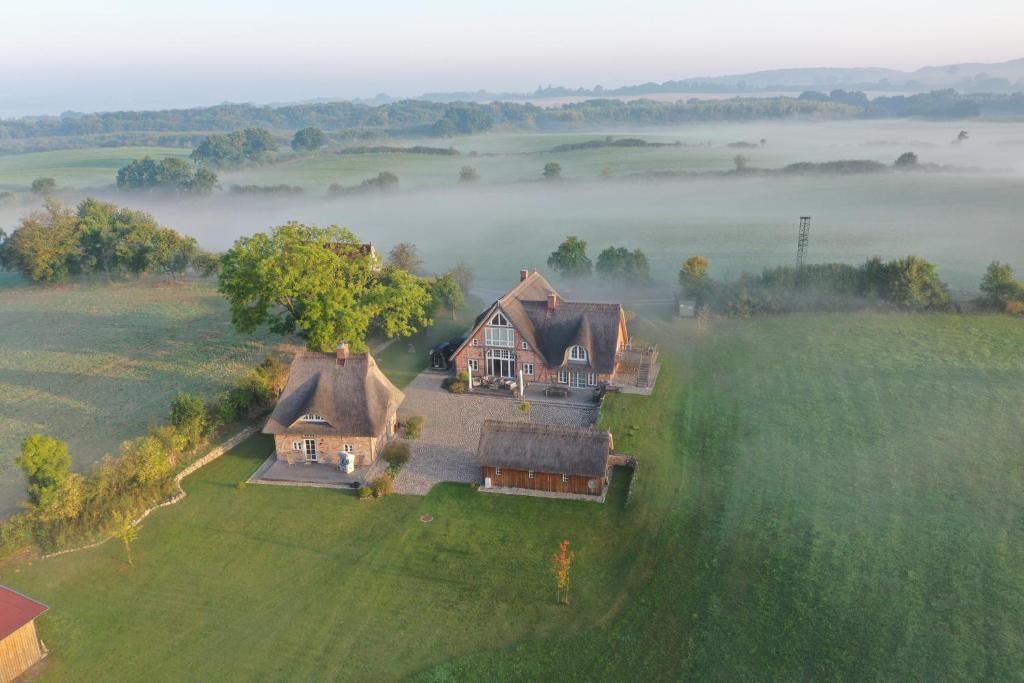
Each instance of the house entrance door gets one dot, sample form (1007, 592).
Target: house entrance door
(311, 450)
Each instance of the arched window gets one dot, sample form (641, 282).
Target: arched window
(577, 353)
(499, 332)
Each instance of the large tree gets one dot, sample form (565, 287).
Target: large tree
(570, 260)
(308, 139)
(45, 246)
(405, 256)
(47, 465)
(999, 286)
(693, 276)
(619, 263)
(319, 284)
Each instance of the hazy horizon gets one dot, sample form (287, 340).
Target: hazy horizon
(116, 55)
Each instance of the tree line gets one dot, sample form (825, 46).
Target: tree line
(409, 118)
(58, 242)
(570, 260)
(909, 283)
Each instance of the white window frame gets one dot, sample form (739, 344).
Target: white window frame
(528, 369)
(497, 471)
(591, 379)
(525, 346)
(297, 446)
(529, 474)
(578, 354)
(474, 364)
(505, 358)
(499, 332)
(312, 417)
(348, 448)
(475, 342)
(565, 478)
(563, 376)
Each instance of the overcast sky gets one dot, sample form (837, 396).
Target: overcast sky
(58, 55)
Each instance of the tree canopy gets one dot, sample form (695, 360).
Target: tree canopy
(251, 145)
(308, 139)
(99, 237)
(692, 276)
(170, 174)
(552, 170)
(405, 256)
(318, 283)
(619, 263)
(570, 260)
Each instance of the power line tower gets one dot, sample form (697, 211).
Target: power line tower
(801, 244)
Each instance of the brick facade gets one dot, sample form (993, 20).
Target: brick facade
(542, 374)
(365, 448)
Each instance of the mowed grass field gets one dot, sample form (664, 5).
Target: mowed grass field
(819, 497)
(75, 168)
(95, 364)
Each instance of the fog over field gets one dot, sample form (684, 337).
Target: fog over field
(961, 219)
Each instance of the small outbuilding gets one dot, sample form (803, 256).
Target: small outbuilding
(544, 457)
(336, 408)
(20, 648)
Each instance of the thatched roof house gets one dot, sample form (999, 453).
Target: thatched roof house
(544, 457)
(335, 405)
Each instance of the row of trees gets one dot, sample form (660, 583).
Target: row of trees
(908, 283)
(570, 260)
(383, 181)
(322, 285)
(58, 242)
(171, 174)
(67, 508)
(248, 146)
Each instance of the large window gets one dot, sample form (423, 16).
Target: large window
(499, 332)
(501, 362)
(578, 353)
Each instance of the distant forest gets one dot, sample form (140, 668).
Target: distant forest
(411, 118)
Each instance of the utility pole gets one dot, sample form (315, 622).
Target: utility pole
(801, 245)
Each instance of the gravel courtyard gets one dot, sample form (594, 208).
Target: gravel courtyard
(446, 448)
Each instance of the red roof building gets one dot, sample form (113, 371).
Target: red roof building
(20, 648)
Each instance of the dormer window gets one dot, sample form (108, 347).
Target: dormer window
(312, 417)
(578, 353)
(499, 332)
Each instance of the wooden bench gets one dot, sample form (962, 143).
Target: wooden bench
(560, 392)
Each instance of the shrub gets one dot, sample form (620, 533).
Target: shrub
(525, 406)
(413, 427)
(188, 415)
(365, 492)
(458, 384)
(382, 486)
(473, 486)
(396, 453)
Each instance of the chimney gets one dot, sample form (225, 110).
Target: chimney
(523, 274)
(341, 353)
(552, 303)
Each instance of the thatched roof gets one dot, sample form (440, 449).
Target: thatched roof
(594, 326)
(354, 398)
(544, 448)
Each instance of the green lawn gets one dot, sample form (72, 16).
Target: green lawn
(75, 168)
(818, 497)
(98, 363)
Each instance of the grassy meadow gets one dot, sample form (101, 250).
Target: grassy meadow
(75, 169)
(819, 497)
(96, 363)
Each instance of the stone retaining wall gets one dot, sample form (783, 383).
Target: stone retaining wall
(214, 453)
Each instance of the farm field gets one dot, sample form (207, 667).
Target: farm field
(818, 497)
(75, 168)
(96, 364)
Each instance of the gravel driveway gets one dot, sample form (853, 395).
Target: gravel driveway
(446, 449)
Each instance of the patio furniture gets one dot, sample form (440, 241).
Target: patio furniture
(560, 392)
